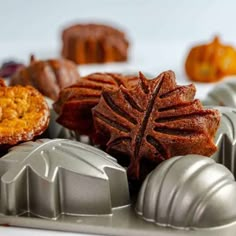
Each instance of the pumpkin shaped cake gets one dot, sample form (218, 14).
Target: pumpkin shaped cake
(94, 43)
(24, 114)
(48, 76)
(210, 62)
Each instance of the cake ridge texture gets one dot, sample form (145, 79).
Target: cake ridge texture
(48, 76)
(75, 102)
(94, 43)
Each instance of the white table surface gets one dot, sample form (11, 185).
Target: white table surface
(12, 231)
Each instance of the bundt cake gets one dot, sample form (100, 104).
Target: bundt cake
(94, 43)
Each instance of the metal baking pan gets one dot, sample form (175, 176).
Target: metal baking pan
(223, 94)
(61, 184)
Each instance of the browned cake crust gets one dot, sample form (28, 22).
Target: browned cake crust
(155, 120)
(94, 43)
(75, 102)
(24, 114)
(49, 76)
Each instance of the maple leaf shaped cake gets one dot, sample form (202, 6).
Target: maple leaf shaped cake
(154, 121)
(75, 102)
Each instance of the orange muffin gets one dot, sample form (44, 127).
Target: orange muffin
(210, 62)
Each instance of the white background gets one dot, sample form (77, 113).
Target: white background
(161, 33)
(32, 20)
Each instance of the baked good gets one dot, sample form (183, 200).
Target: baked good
(48, 76)
(210, 62)
(153, 121)
(24, 114)
(75, 102)
(94, 43)
(8, 68)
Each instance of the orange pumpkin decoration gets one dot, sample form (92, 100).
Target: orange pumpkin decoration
(48, 76)
(210, 62)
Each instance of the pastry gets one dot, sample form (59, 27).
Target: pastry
(94, 43)
(74, 103)
(210, 62)
(153, 121)
(9, 68)
(48, 76)
(24, 114)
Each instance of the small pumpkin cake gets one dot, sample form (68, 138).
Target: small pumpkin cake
(210, 62)
(94, 43)
(76, 101)
(24, 114)
(48, 76)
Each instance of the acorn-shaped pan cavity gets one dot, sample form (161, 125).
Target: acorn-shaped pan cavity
(52, 177)
(222, 95)
(189, 191)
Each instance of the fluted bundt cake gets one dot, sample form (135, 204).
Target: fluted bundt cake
(48, 76)
(94, 43)
(211, 62)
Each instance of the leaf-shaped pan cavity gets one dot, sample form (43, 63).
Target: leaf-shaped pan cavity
(155, 120)
(188, 192)
(52, 177)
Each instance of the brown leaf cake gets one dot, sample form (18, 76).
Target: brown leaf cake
(155, 120)
(24, 114)
(75, 102)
